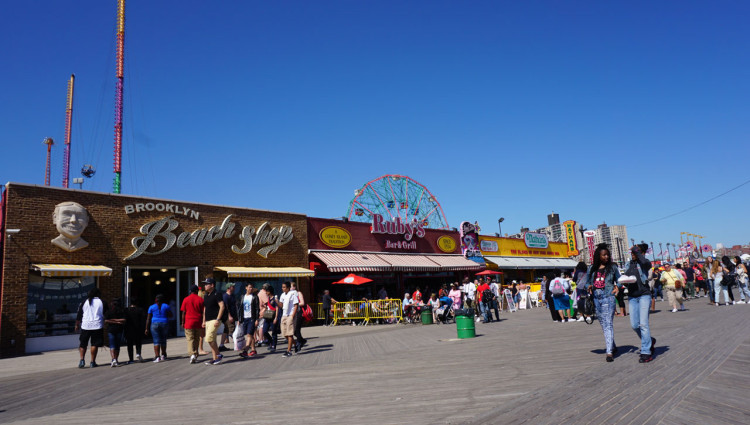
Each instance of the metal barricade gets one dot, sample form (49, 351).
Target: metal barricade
(367, 310)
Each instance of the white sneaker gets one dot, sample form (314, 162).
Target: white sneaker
(163, 358)
(674, 310)
(733, 303)
(138, 358)
(114, 363)
(157, 360)
(193, 359)
(741, 302)
(581, 319)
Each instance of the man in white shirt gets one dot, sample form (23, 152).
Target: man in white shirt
(289, 302)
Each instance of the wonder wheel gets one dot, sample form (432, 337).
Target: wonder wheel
(392, 196)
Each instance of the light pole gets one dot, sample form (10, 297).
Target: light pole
(675, 252)
(619, 254)
(668, 254)
(661, 252)
(499, 228)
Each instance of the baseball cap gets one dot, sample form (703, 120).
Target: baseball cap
(230, 285)
(209, 281)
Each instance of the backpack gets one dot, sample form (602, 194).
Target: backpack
(487, 296)
(557, 287)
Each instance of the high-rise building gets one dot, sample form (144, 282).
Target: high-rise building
(616, 238)
(553, 219)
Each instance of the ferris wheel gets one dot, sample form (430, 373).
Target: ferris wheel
(392, 196)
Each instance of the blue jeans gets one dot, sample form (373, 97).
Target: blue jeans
(159, 333)
(485, 309)
(639, 307)
(605, 312)
(115, 340)
(720, 289)
(711, 291)
(744, 290)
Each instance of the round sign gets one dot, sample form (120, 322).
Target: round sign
(335, 237)
(446, 244)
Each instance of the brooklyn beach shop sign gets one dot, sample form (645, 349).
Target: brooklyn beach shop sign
(159, 237)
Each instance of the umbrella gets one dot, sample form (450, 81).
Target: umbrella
(745, 257)
(353, 279)
(488, 272)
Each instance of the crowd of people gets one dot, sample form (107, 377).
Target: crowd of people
(254, 319)
(599, 290)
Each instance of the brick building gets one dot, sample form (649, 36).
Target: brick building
(130, 247)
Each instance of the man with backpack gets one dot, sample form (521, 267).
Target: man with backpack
(485, 301)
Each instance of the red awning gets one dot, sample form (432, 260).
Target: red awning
(352, 261)
(407, 262)
(455, 262)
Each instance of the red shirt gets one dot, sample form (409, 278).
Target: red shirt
(192, 305)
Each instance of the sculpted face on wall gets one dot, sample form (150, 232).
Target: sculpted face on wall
(70, 219)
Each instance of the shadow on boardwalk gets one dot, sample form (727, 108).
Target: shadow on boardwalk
(523, 370)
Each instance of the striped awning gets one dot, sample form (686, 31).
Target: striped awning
(266, 271)
(406, 262)
(537, 263)
(51, 270)
(455, 262)
(352, 261)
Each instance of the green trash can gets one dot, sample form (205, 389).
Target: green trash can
(465, 327)
(426, 317)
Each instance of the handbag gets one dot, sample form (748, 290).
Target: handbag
(269, 314)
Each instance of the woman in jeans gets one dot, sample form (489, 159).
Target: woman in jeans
(742, 281)
(602, 284)
(720, 287)
(156, 321)
(639, 298)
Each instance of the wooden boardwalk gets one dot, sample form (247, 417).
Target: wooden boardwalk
(524, 369)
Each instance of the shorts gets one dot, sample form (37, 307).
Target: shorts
(159, 332)
(248, 327)
(211, 327)
(229, 327)
(96, 336)
(287, 326)
(115, 340)
(261, 323)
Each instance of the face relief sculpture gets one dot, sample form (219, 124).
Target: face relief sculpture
(70, 219)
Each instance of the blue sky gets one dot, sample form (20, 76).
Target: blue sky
(616, 112)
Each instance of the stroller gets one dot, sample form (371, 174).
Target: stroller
(445, 311)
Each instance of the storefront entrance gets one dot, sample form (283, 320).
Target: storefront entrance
(143, 284)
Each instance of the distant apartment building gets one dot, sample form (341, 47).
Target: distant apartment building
(616, 238)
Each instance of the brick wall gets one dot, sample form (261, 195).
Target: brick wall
(109, 235)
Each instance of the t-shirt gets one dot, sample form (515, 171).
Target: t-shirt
(229, 306)
(326, 301)
(159, 314)
(483, 287)
(91, 315)
(118, 313)
(599, 280)
(471, 289)
(135, 320)
(247, 306)
(669, 278)
(211, 301)
(289, 299)
(455, 295)
(192, 305)
(690, 274)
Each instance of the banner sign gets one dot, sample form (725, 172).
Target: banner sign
(535, 240)
(588, 235)
(570, 229)
(470, 242)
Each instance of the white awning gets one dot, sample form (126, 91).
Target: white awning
(51, 270)
(266, 271)
(352, 261)
(531, 262)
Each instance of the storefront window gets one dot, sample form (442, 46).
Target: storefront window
(53, 304)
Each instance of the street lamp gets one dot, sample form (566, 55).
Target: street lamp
(653, 252)
(675, 252)
(500, 220)
(619, 254)
(668, 255)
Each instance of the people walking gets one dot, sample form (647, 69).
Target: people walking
(157, 323)
(248, 319)
(135, 327)
(90, 321)
(115, 319)
(673, 283)
(560, 287)
(639, 298)
(601, 281)
(742, 280)
(213, 308)
(720, 285)
(547, 296)
(288, 303)
(192, 321)
(230, 315)
(271, 325)
(298, 319)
